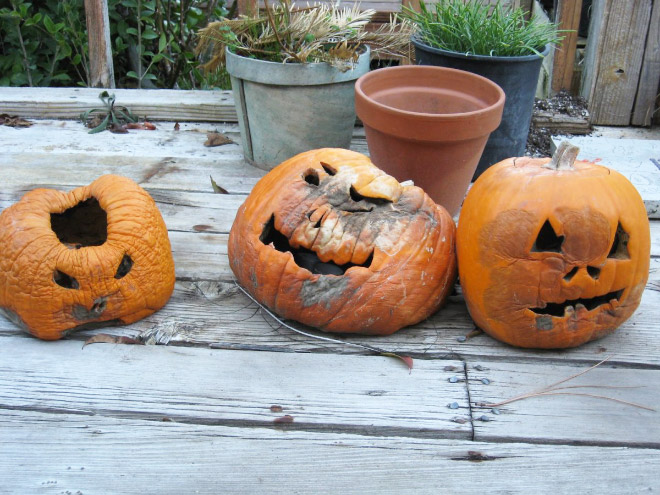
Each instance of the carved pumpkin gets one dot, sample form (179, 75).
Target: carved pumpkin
(552, 254)
(98, 253)
(328, 239)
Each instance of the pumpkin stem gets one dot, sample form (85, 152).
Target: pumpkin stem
(564, 157)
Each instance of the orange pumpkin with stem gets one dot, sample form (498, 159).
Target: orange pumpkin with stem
(328, 239)
(97, 255)
(552, 253)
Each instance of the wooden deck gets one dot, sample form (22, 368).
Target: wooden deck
(199, 409)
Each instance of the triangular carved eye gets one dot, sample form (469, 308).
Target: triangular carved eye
(619, 248)
(547, 240)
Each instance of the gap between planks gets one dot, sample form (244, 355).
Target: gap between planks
(92, 453)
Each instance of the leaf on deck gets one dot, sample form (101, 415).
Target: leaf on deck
(216, 139)
(216, 188)
(14, 121)
(111, 339)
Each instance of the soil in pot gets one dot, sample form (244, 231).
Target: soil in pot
(428, 124)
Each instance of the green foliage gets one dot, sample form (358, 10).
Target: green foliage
(44, 43)
(158, 39)
(109, 117)
(477, 28)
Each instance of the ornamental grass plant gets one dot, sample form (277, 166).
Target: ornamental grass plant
(473, 27)
(289, 34)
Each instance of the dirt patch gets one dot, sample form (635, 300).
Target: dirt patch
(563, 103)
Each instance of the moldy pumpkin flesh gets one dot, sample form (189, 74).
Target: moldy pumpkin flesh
(552, 254)
(98, 253)
(328, 239)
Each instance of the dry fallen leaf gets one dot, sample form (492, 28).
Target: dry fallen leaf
(176, 126)
(201, 228)
(216, 139)
(216, 188)
(14, 121)
(111, 339)
(283, 419)
(148, 126)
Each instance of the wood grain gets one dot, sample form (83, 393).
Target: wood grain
(60, 453)
(215, 314)
(567, 15)
(575, 419)
(102, 74)
(220, 387)
(647, 101)
(156, 104)
(614, 54)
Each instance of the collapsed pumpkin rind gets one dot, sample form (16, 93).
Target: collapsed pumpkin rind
(389, 248)
(122, 271)
(552, 258)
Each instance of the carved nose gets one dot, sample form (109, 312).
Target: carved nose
(98, 307)
(592, 271)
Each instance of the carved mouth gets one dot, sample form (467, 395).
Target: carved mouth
(305, 258)
(568, 307)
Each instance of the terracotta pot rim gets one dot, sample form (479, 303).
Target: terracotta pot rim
(430, 127)
(433, 117)
(418, 42)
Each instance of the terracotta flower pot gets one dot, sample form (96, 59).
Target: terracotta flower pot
(429, 124)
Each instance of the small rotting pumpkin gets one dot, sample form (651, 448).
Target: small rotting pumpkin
(552, 253)
(329, 240)
(97, 255)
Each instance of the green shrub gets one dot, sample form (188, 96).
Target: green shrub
(44, 43)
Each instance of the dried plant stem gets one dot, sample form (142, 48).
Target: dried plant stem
(634, 404)
(553, 389)
(406, 359)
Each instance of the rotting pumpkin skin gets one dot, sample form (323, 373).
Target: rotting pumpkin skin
(509, 283)
(31, 253)
(337, 204)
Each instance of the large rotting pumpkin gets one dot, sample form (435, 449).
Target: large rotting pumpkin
(552, 253)
(97, 255)
(328, 239)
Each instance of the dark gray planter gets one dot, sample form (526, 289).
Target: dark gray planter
(517, 76)
(285, 109)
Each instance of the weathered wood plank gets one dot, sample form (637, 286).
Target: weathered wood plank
(560, 123)
(163, 158)
(570, 419)
(615, 49)
(567, 15)
(87, 454)
(649, 79)
(156, 104)
(101, 68)
(217, 315)
(368, 395)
